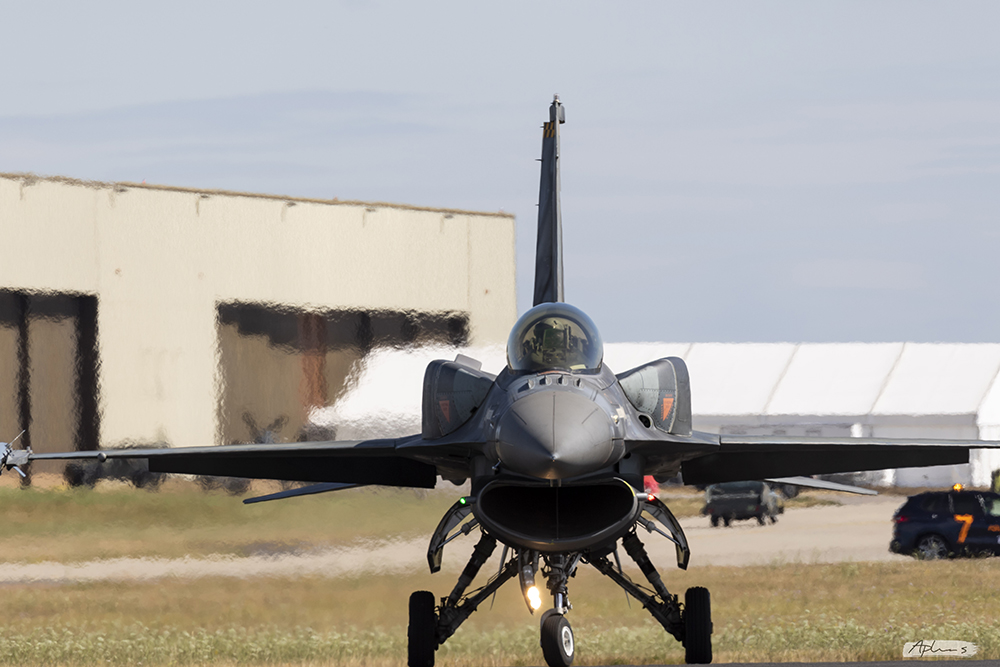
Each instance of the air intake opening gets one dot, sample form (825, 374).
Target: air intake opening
(564, 517)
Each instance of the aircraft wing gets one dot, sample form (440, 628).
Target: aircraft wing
(741, 457)
(408, 461)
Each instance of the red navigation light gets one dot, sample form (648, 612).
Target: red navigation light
(650, 497)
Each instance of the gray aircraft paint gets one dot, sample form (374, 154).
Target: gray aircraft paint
(548, 250)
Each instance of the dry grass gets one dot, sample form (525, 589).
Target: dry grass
(780, 612)
(71, 525)
(806, 612)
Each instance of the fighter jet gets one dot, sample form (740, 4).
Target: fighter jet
(555, 448)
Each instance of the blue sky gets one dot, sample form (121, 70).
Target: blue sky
(769, 171)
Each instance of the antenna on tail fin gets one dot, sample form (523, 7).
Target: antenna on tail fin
(548, 250)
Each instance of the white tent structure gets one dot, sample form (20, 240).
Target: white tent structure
(926, 390)
(385, 389)
(988, 422)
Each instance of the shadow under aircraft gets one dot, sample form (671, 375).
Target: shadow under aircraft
(555, 447)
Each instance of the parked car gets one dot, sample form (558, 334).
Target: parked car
(946, 524)
(734, 501)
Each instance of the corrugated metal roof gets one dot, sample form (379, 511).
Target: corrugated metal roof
(834, 379)
(735, 379)
(391, 380)
(989, 409)
(939, 379)
(621, 357)
(386, 389)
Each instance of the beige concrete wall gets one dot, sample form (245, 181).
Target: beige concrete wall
(161, 259)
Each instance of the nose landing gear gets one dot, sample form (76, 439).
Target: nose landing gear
(557, 642)
(558, 645)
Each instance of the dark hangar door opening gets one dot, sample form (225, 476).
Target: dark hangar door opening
(49, 365)
(277, 363)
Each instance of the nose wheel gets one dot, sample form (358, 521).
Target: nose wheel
(557, 642)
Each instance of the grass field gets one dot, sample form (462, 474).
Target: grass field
(180, 519)
(804, 612)
(781, 612)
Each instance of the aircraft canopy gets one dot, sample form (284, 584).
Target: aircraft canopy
(554, 336)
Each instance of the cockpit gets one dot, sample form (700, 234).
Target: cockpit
(554, 336)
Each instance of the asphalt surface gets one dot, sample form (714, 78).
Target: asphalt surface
(858, 530)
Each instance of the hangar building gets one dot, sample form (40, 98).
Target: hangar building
(143, 314)
(152, 315)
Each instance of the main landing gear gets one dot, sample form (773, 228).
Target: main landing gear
(432, 622)
(430, 626)
(690, 623)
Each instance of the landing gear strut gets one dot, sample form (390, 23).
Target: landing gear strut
(691, 624)
(430, 625)
(429, 629)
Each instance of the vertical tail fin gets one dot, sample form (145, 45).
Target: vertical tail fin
(548, 250)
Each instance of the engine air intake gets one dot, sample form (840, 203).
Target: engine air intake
(557, 518)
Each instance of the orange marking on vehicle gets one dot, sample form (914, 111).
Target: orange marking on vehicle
(668, 402)
(994, 528)
(446, 409)
(966, 521)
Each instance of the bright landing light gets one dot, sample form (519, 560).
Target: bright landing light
(534, 598)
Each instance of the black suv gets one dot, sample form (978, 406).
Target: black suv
(945, 524)
(741, 500)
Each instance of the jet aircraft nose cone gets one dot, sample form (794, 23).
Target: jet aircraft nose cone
(555, 434)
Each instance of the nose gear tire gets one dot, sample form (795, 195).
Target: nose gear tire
(558, 645)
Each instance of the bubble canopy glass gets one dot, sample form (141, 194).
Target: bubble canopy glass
(554, 336)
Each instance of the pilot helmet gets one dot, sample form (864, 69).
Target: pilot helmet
(554, 336)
